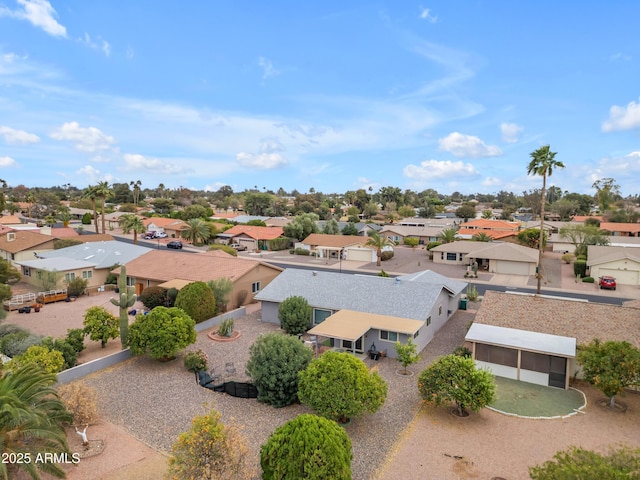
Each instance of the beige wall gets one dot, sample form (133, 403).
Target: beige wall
(97, 279)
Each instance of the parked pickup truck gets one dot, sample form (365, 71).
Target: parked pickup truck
(238, 247)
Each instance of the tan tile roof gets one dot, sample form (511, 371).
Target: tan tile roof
(620, 227)
(98, 237)
(162, 265)
(486, 224)
(583, 218)
(495, 234)
(9, 220)
(64, 232)
(584, 321)
(22, 240)
(325, 240)
(598, 254)
(257, 233)
(171, 223)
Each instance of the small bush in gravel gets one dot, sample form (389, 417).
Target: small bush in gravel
(154, 297)
(226, 327)
(196, 360)
(274, 363)
(294, 314)
(162, 333)
(309, 447)
(197, 300)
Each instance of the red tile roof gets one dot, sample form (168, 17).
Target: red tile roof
(9, 220)
(620, 227)
(325, 240)
(257, 233)
(486, 224)
(495, 234)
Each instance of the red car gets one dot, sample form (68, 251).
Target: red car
(607, 282)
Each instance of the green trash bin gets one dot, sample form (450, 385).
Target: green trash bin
(463, 304)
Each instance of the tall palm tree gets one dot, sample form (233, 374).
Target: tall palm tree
(198, 231)
(448, 235)
(91, 193)
(31, 421)
(136, 191)
(131, 223)
(103, 191)
(378, 242)
(542, 163)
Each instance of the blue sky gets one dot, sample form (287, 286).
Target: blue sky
(449, 95)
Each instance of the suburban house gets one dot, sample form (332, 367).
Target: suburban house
(250, 236)
(172, 269)
(621, 229)
(424, 234)
(441, 222)
(347, 247)
(493, 257)
(622, 263)
(20, 245)
(363, 228)
(360, 313)
(533, 338)
(91, 261)
(496, 229)
(171, 226)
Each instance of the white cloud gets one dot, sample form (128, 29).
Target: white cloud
(39, 13)
(268, 70)
(467, 146)
(7, 162)
(134, 161)
(130, 53)
(85, 139)
(98, 44)
(425, 14)
(623, 118)
(510, 132)
(265, 161)
(491, 182)
(17, 137)
(436, 169)
(214, 187)
(94, 175)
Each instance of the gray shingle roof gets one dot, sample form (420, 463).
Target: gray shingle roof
(362, 293)
(60, 264)
(100, 254)
(429, 276)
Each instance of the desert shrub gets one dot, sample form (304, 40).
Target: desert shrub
(154, 297)
(431, 245)
(386, 255)
(309, 447)
(242, 296)
(162, 333)
(17, 343)
(195, 360)
(8, 328)
(274, 363)
(411, 241)
(382, 273)
(75, 338)
(302, 251)
(5, 292)
(294, 314)
(51, 361)
(86, 219)
(172, 294)
(76, 287)
(462, 352)
(472, 293)
(280, 243)
(567, 258)
(101, 325)
(221, 287)
(224, 248)
(197, 300)
(81, 401)
(588, 280)
(65, 348)
(580, 268)
(226, 327)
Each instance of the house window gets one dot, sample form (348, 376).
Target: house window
(26, 271)
(452, 256)
(388, 336)
(320, 315)
(441, 255)
(498, 355)
(86, 274)
(415, 335)
(255, 287)
(428, 320)
(131, 282)
(68, 277)
(460, 256)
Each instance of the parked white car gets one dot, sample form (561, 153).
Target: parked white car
(161, 235)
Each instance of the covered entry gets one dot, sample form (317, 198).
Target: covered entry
(532, 357)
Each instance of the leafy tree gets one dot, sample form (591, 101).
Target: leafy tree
(607, 190)
(411, 241)
(407, 353)
(100, 325)
(350, 229)
(406, 211)
(577, 463)
(453, 378)
(581, 236)
(610, 366)
(132, 223)
(542, 163)
(294, 314)
(8, 273)
(530, 237)
(274, 363)
(221, 288)
(301, 226)
(309, 447)
(76, 286)
(487, 214)
(257, 203)
(32, 419)
(197, 300)
(331, 227)
(162, 333)
(448, 235)
(339, 386)
(466, 211)
(49, 279)
(163, 205)
(154, 297)
(209, 450)
(378, 242)
(51, 361)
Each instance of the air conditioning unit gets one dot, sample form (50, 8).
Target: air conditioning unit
(11, 236)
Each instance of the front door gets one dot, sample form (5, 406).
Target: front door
(557, 371)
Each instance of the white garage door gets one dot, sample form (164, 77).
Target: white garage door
(623, 277)
(512, 268)
(359, 254)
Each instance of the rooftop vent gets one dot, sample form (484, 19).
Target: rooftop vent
(11, 236)
(315, 274)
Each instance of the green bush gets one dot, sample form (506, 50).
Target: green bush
(76, 287)
(197, 300)
(411, 241)
(51, 361)
(462, 352)
(195, 360)
(17, 343)
(152, 297)
(294, 314)
(65, 348)
(5, 292)
(86, 219)
(101, 325)
(172, 294)
(580, 268)
(581, 257)
(302, 251)
(226, 327)
(431, 245)
(280, 243)
(162, 333)
(588, 280)
(386, 255)
(567, 258)
(274, 363)
(75, 338)
(224, 248)
(309, 447)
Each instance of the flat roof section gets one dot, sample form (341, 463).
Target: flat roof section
(522, 339)
(351, 325)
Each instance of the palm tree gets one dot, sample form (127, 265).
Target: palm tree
(379, 242)
(31, 421)
(91, 193)
(198, 231)
(482, 237)
(448, 235)
(542, 163)
(136, 191)
(131, 223)
(103, 191)
(65, 217)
